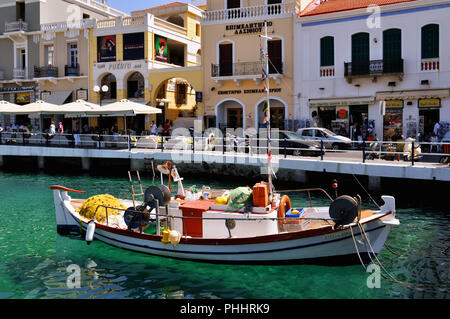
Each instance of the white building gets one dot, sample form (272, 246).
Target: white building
(352, 56)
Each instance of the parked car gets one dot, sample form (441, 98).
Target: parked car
(330, 139)
(446, 148)
(297, 145)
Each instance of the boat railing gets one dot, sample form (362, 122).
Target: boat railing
(308, 190)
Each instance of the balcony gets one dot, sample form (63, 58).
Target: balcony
(48, 71)
(72, 70)
(373, 68)
(244, 71)
(248, 13)
(19, 74)
(16, 26)
(428, 65)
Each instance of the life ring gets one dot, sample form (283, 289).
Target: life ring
(285, 205)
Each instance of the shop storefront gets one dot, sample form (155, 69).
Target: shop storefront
(393, 120)
(19, 95)
(429, 115)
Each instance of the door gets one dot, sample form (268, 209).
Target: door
(234, 118)
(277, 116)
(226, 59)
(360, 54)
(73, 55)
(275, 57)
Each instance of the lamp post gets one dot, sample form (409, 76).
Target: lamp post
(99, 90)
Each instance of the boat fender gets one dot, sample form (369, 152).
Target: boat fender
(90, 232)
(165, 236)
(343, 210)
(174, 237)
(285, 205)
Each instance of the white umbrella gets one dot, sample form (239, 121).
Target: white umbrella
(7, 107)
(78, 108)
(39, 108)
(125, 108)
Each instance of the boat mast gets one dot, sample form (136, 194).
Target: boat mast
(267, 109)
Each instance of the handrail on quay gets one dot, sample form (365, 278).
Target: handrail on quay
(283, 148)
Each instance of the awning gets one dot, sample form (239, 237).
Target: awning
(413, 95)
(58, 98)
(342, 101)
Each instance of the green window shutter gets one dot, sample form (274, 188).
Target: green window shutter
(327, 51)
(360, 47)
(392, 44)
(430, 41)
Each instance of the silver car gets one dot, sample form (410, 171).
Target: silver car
(330, 139)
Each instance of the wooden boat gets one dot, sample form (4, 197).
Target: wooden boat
(202, 230)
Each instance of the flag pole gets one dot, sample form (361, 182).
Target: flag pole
(267, 110)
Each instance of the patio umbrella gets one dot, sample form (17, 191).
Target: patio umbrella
(125, 108)
(79, 108)
(7, 107)
(38, 108)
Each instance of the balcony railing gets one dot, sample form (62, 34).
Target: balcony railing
(429, 64)
(72, 70)
(18, 73)
(46, 72)
(16, 26)
(377, 67)
(265, 11)
(243, 68)
(64, 26)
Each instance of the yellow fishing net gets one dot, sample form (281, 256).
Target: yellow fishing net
(89, 208)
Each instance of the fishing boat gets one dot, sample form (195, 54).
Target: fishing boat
(245, 225)
(203, 228)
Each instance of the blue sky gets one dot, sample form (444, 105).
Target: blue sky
(132, 5)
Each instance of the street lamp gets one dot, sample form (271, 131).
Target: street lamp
(103, 89)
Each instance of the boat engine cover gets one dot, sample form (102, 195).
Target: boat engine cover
(343, 210)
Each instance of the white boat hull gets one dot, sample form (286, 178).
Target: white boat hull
(319, 246)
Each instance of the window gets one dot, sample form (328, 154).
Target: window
(392, 44)
(274, 9)
(231, 4)
(430, 41)
(307, 133)
(197, 29)
(50, 55)
(226, 59)
(73, 55)
(181, 93)
(20, 11)
(360, 53)
(275, 57)
(22, 59)
(327, 51)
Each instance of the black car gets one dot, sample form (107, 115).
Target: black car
(297, 145)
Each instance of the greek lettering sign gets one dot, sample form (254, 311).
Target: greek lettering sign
(430, 103)
(394, 104)
(246, 28)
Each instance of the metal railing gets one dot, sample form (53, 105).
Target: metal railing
(244, 68)
(48, 71)
(376, 67)
(72, 70)
(16, 26)
(19, 73)
(365, 151)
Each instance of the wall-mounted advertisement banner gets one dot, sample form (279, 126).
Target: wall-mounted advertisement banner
(161, 53)
(133, 46)
(106, 48)
(23, 98)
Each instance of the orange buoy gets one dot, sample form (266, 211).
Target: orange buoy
(285, 205)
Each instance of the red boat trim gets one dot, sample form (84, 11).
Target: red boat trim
(62, 188)
(234, 241)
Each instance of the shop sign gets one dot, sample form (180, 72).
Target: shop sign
(394, 104)
(82, 95)
(249, 91)
(342, 114)
(106, 48)
(133, 46)
(246, 28)
(23, 98)
(16, 89)
(430, 103)
(161, 52)
(198, 97)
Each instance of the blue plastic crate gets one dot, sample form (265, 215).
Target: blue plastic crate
(289, 214)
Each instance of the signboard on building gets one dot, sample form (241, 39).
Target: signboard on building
(428, 103)
(198, 97)
(394, 104)
(161, 52)
(106, 48)
(23, 98)
(133, 46)
(246, 28)
(82, 95)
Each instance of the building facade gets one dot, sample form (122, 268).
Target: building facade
(151, 57)
(234, 92)
(44, 50)
(384, 64)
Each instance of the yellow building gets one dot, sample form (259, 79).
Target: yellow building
(234, 92)
(152, 57)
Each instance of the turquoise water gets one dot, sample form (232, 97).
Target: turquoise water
(34, 259)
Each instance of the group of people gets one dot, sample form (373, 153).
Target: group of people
(161, 130)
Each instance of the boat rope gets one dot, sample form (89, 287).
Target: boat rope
(376, 204)
(388, 276)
